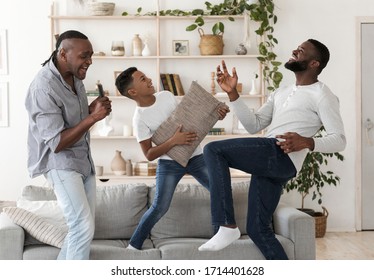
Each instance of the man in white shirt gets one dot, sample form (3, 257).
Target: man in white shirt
(292, 115)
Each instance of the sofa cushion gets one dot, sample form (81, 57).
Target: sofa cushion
(118, 207)
(37, 227)
(241, 249)
(34, 193)
(189, 214)
(196, 112)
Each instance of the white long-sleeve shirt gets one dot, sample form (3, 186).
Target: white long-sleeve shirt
(300, 109)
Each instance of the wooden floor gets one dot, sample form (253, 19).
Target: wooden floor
(346, 246)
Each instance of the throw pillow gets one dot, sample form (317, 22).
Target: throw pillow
(37, 227)
(196, 112)
(49, 210)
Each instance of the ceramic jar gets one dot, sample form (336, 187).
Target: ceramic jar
(137, 46)
(118, 48)
(241, 49)
(118, 164)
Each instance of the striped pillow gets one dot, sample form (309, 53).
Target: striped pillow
(37, 227)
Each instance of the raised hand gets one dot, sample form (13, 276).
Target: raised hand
(227, 82)
(100, 108)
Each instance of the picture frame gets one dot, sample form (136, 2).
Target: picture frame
(116, 74)
(3, 52)
(4, 104)
(181, 47)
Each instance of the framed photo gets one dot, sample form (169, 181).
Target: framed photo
(3, 53)
(4, 104)
(116, 74)
(180, 47)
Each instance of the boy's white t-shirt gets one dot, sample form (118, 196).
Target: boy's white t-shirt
(146, 120)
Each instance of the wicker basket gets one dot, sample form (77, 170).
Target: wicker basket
(210, 44)
(321, 221)
(101, 8)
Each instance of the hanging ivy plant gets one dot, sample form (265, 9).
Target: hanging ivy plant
(261, 11)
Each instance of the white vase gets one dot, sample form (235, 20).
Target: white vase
(137, 46)
(253, 88)
(105, 129)
(146, 50)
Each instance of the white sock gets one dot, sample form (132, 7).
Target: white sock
(223, 238)
(132, 248)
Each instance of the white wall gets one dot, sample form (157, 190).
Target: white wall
(332, 22)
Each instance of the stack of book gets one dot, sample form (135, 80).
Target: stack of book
(92, 93)
(145, 168)
(217, 131)
(172, 83)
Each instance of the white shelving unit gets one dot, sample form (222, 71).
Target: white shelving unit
(101, 30)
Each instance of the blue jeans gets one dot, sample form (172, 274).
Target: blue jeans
(168, 174)
(76, 195)
(270, 167)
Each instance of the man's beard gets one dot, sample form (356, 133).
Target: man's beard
(296, 66)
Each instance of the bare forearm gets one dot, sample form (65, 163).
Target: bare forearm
(157, 151)
(71, 135)
(233, 95)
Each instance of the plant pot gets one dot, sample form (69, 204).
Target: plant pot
(211, 44)
(307, 211)
(321, 222)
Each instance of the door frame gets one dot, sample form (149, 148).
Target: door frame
(358, 171)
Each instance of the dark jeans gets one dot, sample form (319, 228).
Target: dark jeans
(270, 167)
(169, 173)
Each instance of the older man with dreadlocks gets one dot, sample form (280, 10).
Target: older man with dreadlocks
(58, 137)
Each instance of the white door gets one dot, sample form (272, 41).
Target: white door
(367, 121)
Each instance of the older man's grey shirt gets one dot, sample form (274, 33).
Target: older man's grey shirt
(53, 107)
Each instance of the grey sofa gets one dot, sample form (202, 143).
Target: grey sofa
(177, 235)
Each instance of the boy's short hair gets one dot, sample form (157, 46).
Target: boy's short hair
(124, 81)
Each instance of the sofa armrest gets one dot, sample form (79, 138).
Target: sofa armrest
(12, 239)
(298, 227)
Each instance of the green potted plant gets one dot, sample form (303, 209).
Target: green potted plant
(310, 180)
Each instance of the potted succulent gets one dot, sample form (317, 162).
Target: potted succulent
(311, 179)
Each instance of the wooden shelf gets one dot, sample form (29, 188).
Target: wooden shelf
(109, 176)
(223, 96)
(217, 137)
(180, 57)
(140, 17)
(56, 17)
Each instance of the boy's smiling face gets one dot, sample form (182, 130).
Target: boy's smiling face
(142, 85)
